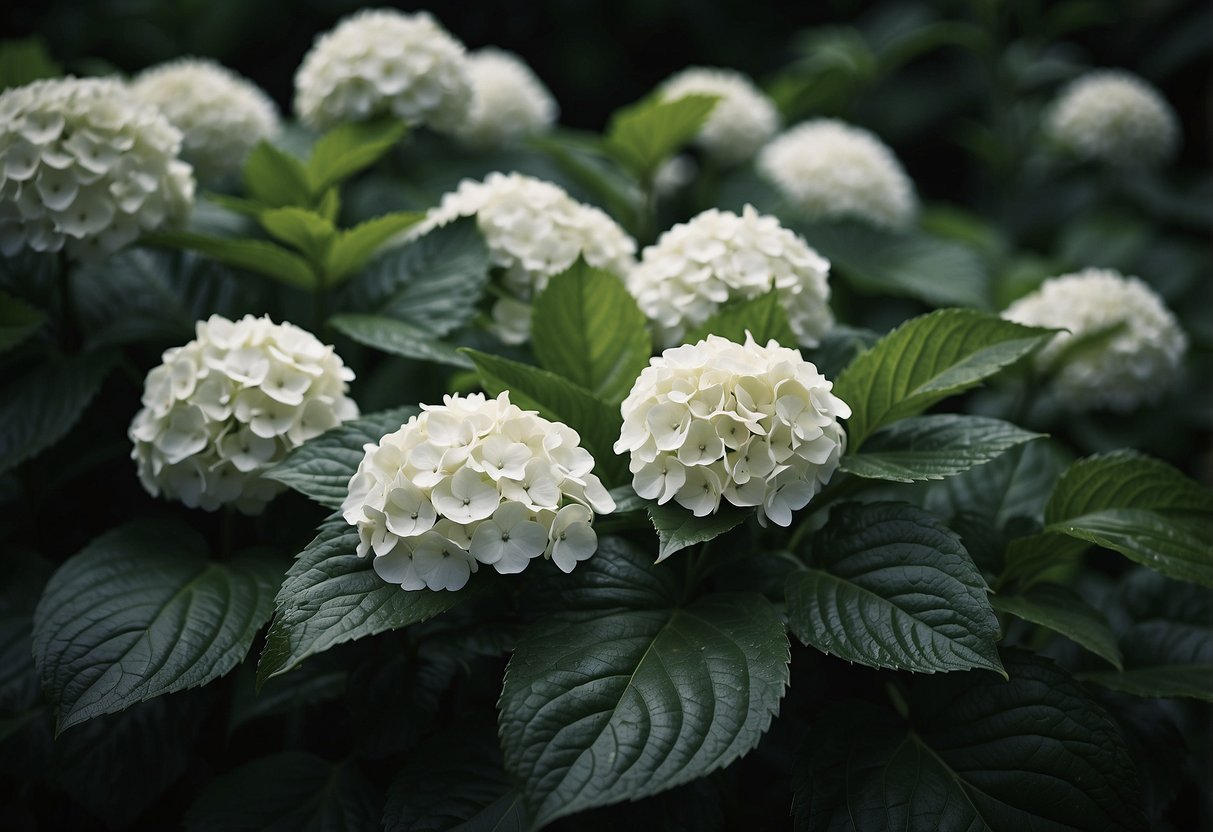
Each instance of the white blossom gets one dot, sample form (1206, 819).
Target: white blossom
(719, 256)
(1115, 117)
(1135, 345)
(721, 422)
(743, 120)
(383, 62)
(474, 481)
(509, 102)
(228, 405)
(221, 115)
(87, 166)
(831, 170)
(533, 230)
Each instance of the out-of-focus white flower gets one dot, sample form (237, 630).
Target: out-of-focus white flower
(509, 102)
(474, 480)
(674, 174)
(533, 230)
(221, 115)
(719, 256)
(229, 404)
(1115, 117)
(382, 62)
(831, 170)
(752, 425)
(1136, 363)
(743, 120)
(86, 165)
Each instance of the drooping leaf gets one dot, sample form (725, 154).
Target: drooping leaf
(677, 528)
(926, 360)
(260, 256)
(644, 135)
(306, 230)
(1062, 611)
(18, 321)
(1164, 658)
(400, 338)
(763, 317)
(349, 148)
(592, 332)
(614, 703)
(353, 247)
(891, 586)
(321, 467)
(142, 611)
(275, 177)
(933, 447)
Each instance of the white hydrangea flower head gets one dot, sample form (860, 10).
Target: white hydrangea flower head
(86, 166)
(1136, 365)
(718, 256)
(1115, 117)
(509, 102)
(831, 170)
(229, 404)
(473, 481)
(752, 425)
(383, 62)
(221, 115)
(533, 230)
(743, 120)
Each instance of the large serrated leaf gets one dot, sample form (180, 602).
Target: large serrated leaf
(1062, 611)
(399, 338)
(934, 447)
(142, 612)
(592, 331)
(1035, 752)
(926, 360)
(644, 135)
(620, 702)
(763, 317)
(893, 587)
(331, 596)
(678, 528)
(321, 468)
(18, 321)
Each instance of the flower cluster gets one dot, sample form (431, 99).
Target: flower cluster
(508, 101)
(831, 170)
(86, 165)
(1115, 117)
(1135, 345)
(474, 480)
(221, 115)
(533, 230)
(743, 120)
(719, 256)
(757, 426)
(382, 62)
(228, 405)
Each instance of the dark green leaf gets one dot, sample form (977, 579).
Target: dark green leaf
(306, 230)
(1188, 681)
(1165, 658)
(763, 317)
(26, 576)
(399, 338)
(677, 528)
(347, 149)
(1062, 611)
(18, 321)
(591, 331)
(644, 135)
(353, 247)
(276, 178)
(891, 586)
(141, 612)
(260, 256)
(926, 360)
(24, 61)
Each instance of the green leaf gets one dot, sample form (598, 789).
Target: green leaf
(926, 360)
(614, 703)
(331, 596)
(891, 586)
(41, 406)
(306, 230)
(353, 247)
(276, 178)
(762, 316)
(349, 148)
(1056, 608)
(597, 423)
(678, 528)
(934, 447)
(292, 790)
(321, 468)
(25, 60)
(1185, 681)
(1034, 752)
(18, 321)
(399, 338)
(644, 135)
(592, 331)
(141, 612)
(260, 256)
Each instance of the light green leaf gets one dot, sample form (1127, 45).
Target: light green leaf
(18, 321)
(891, 586)
(763, 317)
(260, 256)
(349, 148)
(306, 230)
(276, 178)
(678, 528)
(140, 612)
(934, 447)
(321, 468)
(353, 247)
(926, 360)
(591, 331)
(1060, 610)
(644, 135)
(399, 338)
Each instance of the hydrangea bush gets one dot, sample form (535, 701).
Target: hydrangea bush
(824, 446)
